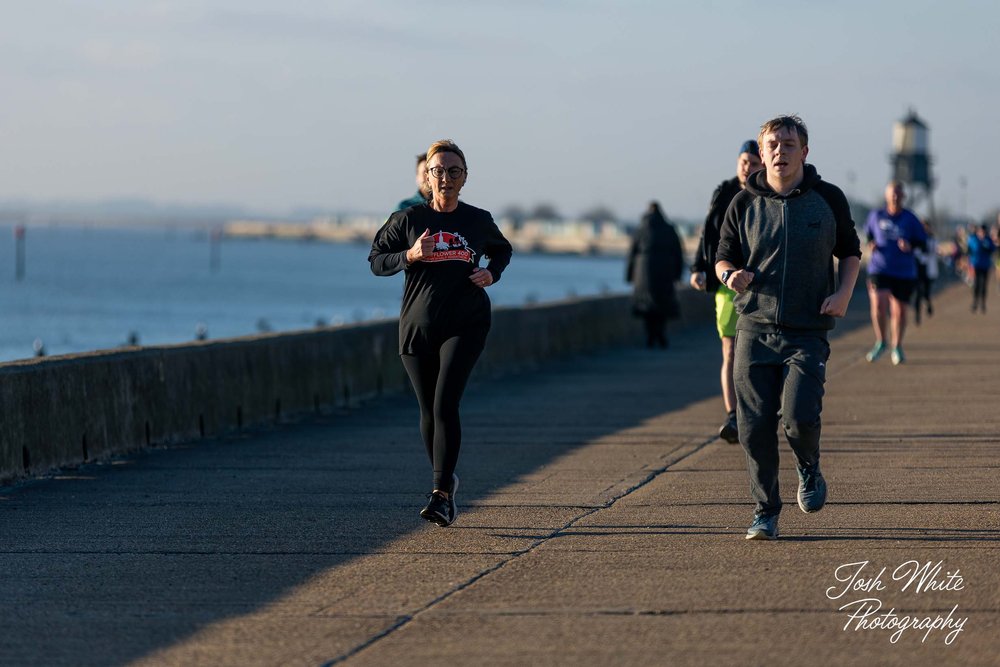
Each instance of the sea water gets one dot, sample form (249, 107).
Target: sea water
(90, 288)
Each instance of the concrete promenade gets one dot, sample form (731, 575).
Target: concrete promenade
(601, 523)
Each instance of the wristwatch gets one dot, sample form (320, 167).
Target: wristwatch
(725, 276)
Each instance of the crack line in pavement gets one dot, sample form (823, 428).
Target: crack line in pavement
(406, 619)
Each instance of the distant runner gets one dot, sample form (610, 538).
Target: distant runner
(893, 234)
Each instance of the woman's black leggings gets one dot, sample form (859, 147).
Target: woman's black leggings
(438, 381)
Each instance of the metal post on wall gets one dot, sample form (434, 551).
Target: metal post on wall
(19, 234)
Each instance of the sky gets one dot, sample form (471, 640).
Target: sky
(576, 103)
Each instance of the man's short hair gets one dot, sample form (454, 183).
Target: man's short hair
(421, 158)
(791, 122)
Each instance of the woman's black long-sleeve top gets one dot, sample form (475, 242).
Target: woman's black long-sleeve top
(439, 300)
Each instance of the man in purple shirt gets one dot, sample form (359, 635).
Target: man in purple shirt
(893, 232)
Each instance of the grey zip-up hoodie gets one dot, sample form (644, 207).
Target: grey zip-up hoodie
(789, 243)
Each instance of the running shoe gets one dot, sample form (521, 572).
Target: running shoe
(729, 431)
(438, 509)
(764, 527)
(877, 351)
(897, 356)
(812, 489)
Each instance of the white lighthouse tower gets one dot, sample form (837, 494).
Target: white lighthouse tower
(911, 160)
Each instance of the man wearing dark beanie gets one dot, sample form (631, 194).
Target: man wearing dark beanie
(703, 277)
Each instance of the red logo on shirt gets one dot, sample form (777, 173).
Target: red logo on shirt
(448, 246)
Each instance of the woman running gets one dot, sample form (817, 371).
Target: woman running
(445, 314)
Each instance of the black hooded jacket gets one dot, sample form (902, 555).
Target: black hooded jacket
(704, 256)
(789, 243)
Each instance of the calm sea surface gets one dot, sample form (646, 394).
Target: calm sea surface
(89, 288)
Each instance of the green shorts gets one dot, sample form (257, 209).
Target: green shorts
(725, 312)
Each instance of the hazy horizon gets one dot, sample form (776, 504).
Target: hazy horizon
(311, 105)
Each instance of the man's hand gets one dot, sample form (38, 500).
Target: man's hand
(904, 245)
(835, 304)
(740, 280)
(698, 280)
(422, 247)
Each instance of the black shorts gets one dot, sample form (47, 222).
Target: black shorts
(900, 288)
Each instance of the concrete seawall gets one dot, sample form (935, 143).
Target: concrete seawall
(65, 410)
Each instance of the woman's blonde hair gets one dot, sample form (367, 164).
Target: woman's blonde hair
(446, 146)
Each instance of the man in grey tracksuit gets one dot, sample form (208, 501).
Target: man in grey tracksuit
(776, 252)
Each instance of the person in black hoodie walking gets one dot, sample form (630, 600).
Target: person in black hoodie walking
(655, 263)
(776, 252)
(703, 277)
(446, 313)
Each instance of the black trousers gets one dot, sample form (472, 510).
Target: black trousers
(979, 288)
(439, 381)
(656, 329)
(922, 294)
(778, 377)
